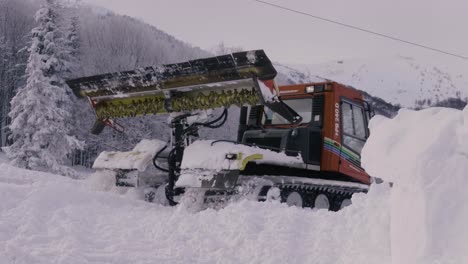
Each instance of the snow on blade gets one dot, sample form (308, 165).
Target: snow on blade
(425, 155)
(139, 158)
(252, 57)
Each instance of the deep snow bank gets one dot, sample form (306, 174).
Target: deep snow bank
(425, 154)
(46, 218)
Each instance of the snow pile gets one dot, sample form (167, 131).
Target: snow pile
(51, 219)
(139, 158)
(425, 155)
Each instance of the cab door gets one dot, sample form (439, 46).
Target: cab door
(353, 137)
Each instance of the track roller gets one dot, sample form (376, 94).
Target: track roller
(295, 199)
(321, 201)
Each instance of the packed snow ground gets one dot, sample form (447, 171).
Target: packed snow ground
(46, 218)
(52, 219)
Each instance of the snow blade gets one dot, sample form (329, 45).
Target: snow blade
(220, 81)
(230, 67)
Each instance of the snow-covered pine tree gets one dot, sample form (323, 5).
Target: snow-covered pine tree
(222, 49)
(40, 109)
(3, 92)
(15, 27)
(68, 57)
(82, 116)
(71, 47)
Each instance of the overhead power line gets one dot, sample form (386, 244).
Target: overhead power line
(362, 29)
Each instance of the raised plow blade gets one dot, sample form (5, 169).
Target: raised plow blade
(234, 79)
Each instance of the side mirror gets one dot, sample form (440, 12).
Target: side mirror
(368, 108)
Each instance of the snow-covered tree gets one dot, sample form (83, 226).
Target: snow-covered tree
(41, 109)
(222, 49)
(71, 45)
(16, 22)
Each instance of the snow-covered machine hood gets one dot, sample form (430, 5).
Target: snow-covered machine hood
(208, 154)
(205, 158)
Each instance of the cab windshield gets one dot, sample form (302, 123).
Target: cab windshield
(302, 106)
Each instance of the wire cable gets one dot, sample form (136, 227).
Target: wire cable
(363, 30)
(155, 163)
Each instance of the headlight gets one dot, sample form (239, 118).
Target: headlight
(315, 88)
(310, 89)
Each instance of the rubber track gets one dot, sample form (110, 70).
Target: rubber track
(308, 192)
(335, 194)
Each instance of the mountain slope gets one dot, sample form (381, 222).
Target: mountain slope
(290, 75)
(111, 42)
(405, 81)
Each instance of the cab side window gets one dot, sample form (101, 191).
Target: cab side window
(354, 126)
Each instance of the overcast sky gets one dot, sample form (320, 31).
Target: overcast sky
(296, 39)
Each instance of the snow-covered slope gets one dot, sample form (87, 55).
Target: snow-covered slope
(400, 80)
(46, 218)
(295, 75)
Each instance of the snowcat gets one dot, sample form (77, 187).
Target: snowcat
(299, 144)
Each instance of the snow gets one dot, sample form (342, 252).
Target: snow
(252, 57)
(52, 219)
(290, 75)
(46, 218)
(425, 155)
(139, 158)
(200, 116)
(3, 157)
